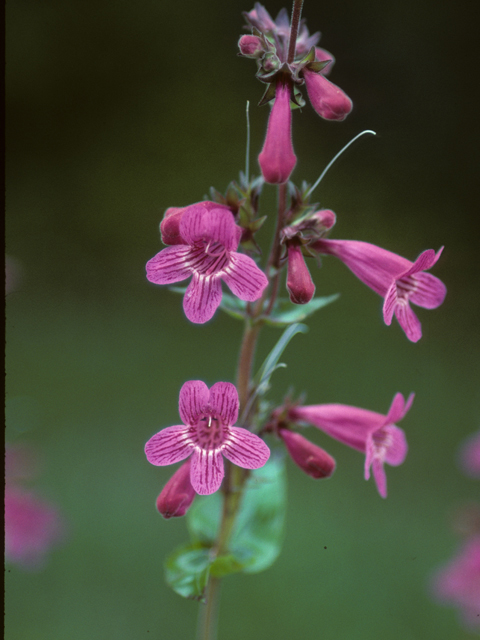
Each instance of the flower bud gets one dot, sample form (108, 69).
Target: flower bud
(177, 495)
(299, 281)
(328, 100)
(277, 158)
(312, 459)
(324, 219)
(250, 46)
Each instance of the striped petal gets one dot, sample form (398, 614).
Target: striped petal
(430, 292)
(170, 265)
(245, 449)
(192, 401)
(408, 321)
(244, 278)
(202, 297)
(169, 446)
(206, 471)
(224, 401)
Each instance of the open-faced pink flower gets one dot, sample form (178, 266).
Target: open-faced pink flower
(372, 433)
(313, 460)
(458, 583)
(277, 158)
(207, 434)
(177, 495)
(208, 252)
(396, 279)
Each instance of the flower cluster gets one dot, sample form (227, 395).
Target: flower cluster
(284, 70)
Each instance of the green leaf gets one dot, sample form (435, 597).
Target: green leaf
(262, 379)
(187, 570)
(258, 529)
(258, 532)
(203, 518)
(285, 312)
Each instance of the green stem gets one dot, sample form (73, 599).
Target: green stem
(235, 477)
(295, 23)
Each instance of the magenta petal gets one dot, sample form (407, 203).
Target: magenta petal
(328, 100)
(206, 471)
(390, 303)
(397, 445)
(244, 278)
(408, 321)
(398, 408)
(202, 298)
(245, 449)
(380, 477)
(193, 400)
(169, 446)
(220, 227)
(170, 265)
(224, 401)
(430, 292)
(425, 260)
(193, 225)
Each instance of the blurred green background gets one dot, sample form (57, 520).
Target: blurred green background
(117, 110)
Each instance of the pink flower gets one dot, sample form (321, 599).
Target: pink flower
(299, 281)
(316, 462)
(210, 238)
(207, 434)
(328, 100)
(372, 433)
(458, 583)
(470, 455)
(396, 279)
(177, 495)
(32, 525)
(277, 158)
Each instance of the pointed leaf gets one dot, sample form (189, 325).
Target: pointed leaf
(262, 379)
(187, 570)
(284, 312)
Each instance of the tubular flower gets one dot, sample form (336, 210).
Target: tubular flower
(299, 281)
(277, 158)
(207, 252)
(316, 462)
(177, 495)
(396, 279)
(207, 434)
(372, 433)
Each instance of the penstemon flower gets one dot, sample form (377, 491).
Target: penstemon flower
(208, 252)
(372, 433)
(207, 435)
(396, 279)
(300, 285)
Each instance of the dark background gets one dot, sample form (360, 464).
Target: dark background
(117, 110)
